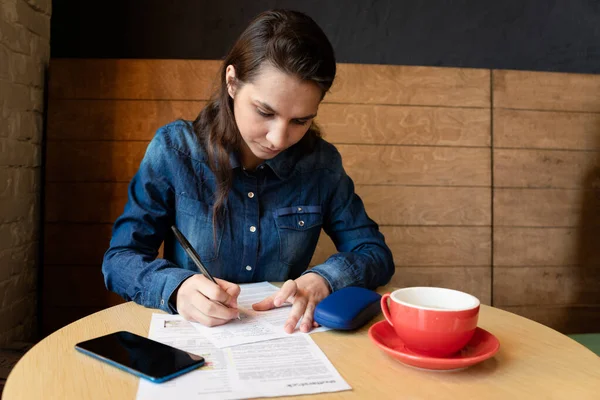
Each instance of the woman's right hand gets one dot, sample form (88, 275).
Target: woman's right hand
(198, 300)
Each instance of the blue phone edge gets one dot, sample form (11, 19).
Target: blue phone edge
(138, 373)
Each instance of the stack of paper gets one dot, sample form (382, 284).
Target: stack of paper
(253, 357)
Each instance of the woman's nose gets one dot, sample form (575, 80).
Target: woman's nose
(277, 136)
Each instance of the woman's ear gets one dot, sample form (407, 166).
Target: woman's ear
(230, 80)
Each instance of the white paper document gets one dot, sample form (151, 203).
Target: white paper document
(289, 366)
(254, 326)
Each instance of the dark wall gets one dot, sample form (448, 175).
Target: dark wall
(561, 35)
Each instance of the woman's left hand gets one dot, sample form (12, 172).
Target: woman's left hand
(304, 294)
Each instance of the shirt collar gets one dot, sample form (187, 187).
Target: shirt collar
(282, 165)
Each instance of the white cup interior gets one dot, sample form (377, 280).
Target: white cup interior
(434, 298)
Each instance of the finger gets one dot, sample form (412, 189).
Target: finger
(215, 292)
(214, 309)
(296, 313)
(191, 313)
(265, 304)
(286, 293)
(277, 299)
(307, 318)
(232, 290)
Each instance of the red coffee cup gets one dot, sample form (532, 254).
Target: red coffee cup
(432, 321)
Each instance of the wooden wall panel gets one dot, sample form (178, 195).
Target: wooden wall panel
(121, 120)
(545, 246)
(545, 169)
(395, 205)
(546, 130)
(526, 90)
(542, 207)
(415, 140)
(546, 197)
(114, 161)
(193, 80)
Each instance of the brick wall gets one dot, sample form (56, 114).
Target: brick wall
(24, 55)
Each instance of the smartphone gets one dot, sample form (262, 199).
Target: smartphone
(141, 356)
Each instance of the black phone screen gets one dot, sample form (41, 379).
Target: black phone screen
(139, 354)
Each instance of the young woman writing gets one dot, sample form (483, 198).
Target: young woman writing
(250, 183)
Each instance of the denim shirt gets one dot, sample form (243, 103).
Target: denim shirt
(272, 222)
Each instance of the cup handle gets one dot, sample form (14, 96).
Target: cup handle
(385, 309)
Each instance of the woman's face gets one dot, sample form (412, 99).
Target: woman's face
(273, 112)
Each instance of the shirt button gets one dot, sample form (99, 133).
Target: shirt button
(250, 194)
(162, 302)
(261, 166)
(299, 208)
(252, 228)
(248, 268)
(301, 223)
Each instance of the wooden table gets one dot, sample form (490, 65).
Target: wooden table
(534, 362)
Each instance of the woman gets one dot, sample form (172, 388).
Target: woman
(250, 184)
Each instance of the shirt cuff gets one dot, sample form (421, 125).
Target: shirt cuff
(336, 272)
(174, 279)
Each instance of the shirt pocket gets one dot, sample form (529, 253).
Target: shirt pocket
(299, 228)
(194, 220)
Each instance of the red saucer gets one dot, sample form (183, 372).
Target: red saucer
(482, 346)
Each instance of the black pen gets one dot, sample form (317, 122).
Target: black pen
(194, 256)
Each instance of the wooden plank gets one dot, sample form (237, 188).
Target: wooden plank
(564, 318)
(427, 246)
(473, 280)
(85, 283)
(391, 84)
(546, 207)
(114, 119)
(132, 79)
(340, 123)
(118, 162)
(387, 205)
(546, 130)
(373, 124)
(546, 169)
(521, 286)
(85, 244)
(195, 80)
(93, 161)
(546, 91)
(398, 165)
(413, 205)
(546, 246)
(75, 244)
(89, 202)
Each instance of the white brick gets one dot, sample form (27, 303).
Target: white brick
(26, 181)
(40, 48)
(16, 97)
(32, 19)
(17, 153)
(4, 62)
(8, 10)
(37, 99)
(15, 37)
(7, 181)
(29, 127)
(20, 287)
(44, 6)
(17, 208)
(26, 70)
(18, 234)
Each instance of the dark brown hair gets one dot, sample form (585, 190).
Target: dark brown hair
(290, 41)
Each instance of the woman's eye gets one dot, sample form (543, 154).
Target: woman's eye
(263, 114)
(301, 122)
